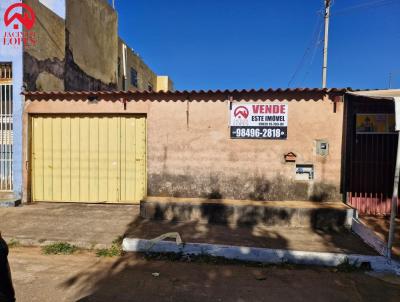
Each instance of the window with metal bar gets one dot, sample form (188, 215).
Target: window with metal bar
(6, 127)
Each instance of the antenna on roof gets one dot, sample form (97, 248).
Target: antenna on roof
(113, 4)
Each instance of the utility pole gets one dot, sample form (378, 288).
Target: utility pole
(325, 61)
(395, 196)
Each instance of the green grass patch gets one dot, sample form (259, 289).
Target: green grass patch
(59, 248)
(347, 267)
(114, 251)
(13, 243)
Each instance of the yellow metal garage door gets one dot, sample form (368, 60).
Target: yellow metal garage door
(88, 159)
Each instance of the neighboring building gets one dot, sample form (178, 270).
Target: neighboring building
(6, 129)
(164, 83)
(135, 74)
(84, 53)
(79, 53)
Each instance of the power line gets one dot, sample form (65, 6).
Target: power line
(316, 40)
(316, 47)
(310, 46)
(367, 5)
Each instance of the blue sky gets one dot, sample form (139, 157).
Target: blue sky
(232, 44)
(58, 6)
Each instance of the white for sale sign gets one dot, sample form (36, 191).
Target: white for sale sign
(259, 121)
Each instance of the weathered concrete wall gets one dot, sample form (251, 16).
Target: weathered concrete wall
(190, 153)
(145, 76)
(47, 81)
(91, 45)
(326, 216)
(44, 62)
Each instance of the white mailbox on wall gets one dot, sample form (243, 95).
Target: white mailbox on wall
(304, 172)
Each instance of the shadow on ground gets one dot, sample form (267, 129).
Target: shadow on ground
(127, 273)
(130, 278)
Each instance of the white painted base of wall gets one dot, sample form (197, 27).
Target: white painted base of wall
(263, 255)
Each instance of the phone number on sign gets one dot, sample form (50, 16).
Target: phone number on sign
(259, 132)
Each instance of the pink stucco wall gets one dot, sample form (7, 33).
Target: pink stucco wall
(191, 154)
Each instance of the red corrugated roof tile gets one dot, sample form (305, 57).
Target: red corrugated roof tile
(184, 92)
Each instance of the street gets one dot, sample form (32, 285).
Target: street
(85, 277)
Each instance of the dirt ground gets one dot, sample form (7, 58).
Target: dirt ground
(85, 277)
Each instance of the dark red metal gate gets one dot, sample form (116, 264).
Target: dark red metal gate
(370, 160)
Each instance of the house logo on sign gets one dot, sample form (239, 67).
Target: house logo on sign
(240, 115)
(241, 112)
(17, 36)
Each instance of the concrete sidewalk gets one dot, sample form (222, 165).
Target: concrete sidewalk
(291, 238)
(85, 225)
(97, 225)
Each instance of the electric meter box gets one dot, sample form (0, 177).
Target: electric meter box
(322, 147)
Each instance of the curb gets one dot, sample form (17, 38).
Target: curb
(262, 255)
(369, 237)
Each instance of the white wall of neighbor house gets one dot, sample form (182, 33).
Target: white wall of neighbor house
(14, 55)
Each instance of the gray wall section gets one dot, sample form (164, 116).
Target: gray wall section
(91, 45)
(76, 79)
(44, 62)
(73, 54)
